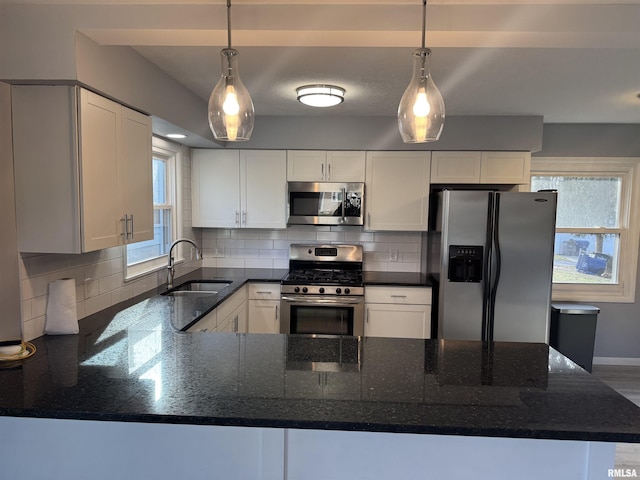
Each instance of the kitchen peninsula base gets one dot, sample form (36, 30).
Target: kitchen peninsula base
(72, 449)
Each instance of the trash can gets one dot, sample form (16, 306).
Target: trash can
(573, 331)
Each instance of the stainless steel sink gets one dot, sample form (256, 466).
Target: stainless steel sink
(198, 287)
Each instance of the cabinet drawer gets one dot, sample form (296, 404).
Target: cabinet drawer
(398, 295)
(264, 291)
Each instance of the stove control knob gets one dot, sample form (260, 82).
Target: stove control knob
(297, 289)
(338, 290)
(321, 290)
(347, 291)
(305, 289)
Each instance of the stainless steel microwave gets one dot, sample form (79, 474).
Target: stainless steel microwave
(325, 203)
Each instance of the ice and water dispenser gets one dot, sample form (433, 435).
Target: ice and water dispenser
(465, 263)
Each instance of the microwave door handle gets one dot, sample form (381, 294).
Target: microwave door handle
(344, 205)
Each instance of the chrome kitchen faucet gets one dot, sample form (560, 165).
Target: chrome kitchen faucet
(171, 267)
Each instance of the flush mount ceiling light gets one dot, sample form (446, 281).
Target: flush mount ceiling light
(421, 109)
(320, 95)
(176, 135)
(231, 112)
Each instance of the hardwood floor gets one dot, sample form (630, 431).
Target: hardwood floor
(625, 380)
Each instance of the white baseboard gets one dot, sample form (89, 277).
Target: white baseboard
(616, 361)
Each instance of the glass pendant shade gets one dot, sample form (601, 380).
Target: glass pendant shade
(231, 112)
(421, 109)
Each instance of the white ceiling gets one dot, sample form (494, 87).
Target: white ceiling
(571, 61)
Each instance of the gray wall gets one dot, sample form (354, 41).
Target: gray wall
(10, 319)
(618, 332)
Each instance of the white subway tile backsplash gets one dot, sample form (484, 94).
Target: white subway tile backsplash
(330, 236)
(33, 328)
(259, 244)
(383, 251)
(258, 263)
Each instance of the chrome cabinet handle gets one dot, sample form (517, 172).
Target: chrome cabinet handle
(237, 217)
(369, 219)
(244, 217)
(125, 226)
(367, 315)
(344, 204)
(276, 311)
(398, 296)
(263, 292)
(322, 171)
(132, 229)
(329, 171)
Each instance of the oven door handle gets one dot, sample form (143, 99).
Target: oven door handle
(333, 301)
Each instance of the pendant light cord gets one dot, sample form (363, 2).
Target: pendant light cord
(424, 21)
(229, 22)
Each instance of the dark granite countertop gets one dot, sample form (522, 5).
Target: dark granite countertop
(129, 364)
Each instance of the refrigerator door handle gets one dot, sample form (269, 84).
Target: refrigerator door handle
(486, 270)
(497, 264)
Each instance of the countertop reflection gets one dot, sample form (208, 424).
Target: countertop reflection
(129, 364)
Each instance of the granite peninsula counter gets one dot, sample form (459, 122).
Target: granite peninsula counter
(158, 402)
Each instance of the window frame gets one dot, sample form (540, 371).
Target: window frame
(164, 150)
(627, 168)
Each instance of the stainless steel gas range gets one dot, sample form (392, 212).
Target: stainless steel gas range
(323, 293)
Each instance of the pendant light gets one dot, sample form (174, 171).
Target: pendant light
(231, 112)
(421, 109)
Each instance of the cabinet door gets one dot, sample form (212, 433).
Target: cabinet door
(215, 182)
(264, 175)
(455, 167)
(345, 166)
(136, 174)
(505, 167)
(102, 219)
(397, 191)
(264, 316)
(397, 321)
(208, 323)
(306, 165)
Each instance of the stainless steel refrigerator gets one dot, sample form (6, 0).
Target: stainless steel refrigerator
(490, 255)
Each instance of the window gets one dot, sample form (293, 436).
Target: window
(596, 243)
(150, 255)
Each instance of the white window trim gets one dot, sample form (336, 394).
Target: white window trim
(628, 168)
(171, 153)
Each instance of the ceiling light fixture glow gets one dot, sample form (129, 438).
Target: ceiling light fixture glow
(421, 109)
(320, 95)
(176, 135)
(231, 113)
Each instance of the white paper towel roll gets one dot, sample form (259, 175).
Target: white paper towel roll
(62, 317)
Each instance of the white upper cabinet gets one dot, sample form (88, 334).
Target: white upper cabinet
(85, 184)
(480, 167)
(505, 167)
(397, 191)
(239, 188)
(325, 166)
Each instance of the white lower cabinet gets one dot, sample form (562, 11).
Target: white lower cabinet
(400, 312)
(230, 316)
(208, 323)
(264, 308)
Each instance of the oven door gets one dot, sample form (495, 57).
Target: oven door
(322, 315)
(316, 203)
